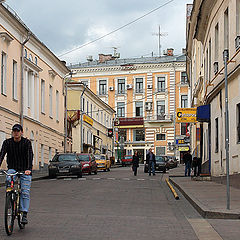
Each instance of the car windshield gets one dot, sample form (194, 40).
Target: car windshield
(66, 157)
(159, 159)
(83, 158)
(128, 157)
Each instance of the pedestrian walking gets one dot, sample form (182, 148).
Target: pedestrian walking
(195, 166)
(187, 159)
(135, 163)
(150, 159)
(19, 159)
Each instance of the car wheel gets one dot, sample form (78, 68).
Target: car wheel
(79, 175)
(95, 172)
(51, 175)
(105, 170)
(90, 172)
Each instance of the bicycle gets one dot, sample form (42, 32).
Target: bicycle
(12, 203)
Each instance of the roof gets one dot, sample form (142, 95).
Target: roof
(131, 61)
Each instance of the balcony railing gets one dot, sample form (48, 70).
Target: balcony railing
(160, 117)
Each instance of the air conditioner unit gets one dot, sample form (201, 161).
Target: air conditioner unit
(237, 42)
(111, 88)
(215, 65)
(149, 86)
(148, 106)
(129, 86)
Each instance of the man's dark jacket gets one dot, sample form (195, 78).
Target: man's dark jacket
(148, 157)
(19, 154)
(135, 161)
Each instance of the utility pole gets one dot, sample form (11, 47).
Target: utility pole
(225, 58)
(159, 34)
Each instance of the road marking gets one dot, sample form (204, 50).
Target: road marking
(54, 179)
(96, 178)
(111, 178)
(67, 179)
(81, 179)
(153, 179)
(204, 230)
(140, 179)
(126, 179)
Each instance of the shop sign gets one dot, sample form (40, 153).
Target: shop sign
(87, 120)
(183, 149)
(186, 115)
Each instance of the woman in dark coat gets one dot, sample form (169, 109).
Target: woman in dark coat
(135, 163)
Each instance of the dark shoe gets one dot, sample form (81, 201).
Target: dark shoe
(149, 174)
(24, 218)
(154, 174)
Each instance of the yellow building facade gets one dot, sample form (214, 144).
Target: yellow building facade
(144, 93)
(32, 81)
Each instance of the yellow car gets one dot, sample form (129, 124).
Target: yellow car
(103, 163)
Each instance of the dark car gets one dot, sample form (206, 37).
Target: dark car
(172, 162)
(65, 164)
(127, 160)
(88, 162)
(161, 164)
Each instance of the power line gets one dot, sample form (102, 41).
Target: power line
(97, 39)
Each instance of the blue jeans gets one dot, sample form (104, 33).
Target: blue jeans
(151, 167)
(25, 181)
(187, 169)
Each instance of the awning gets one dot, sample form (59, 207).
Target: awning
(203, 113)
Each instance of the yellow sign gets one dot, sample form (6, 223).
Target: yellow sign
(87, 120)
(186, 115)
(183, 149)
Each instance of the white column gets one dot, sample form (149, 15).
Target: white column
(25, 91)
(32, 104)
(37, 96)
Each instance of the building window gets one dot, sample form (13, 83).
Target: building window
(161, 85)
(122, 134)
(139, 85)
(184, 128)
(83, 105)
(101, 117)
(226, 30)
(160, 151)
(216, 42)
(29, 90)
(184, 101)
(105, 124)
(42, 155)
(57, 105)
(121, 86)
(120, 109)
(160, 136)
(183, 77)
(42, 96)
(30, 57)
(25, 53)
(50, 100)
(138, 135)
(238, 123)
(36, 60)
(3, 73)
(102, 87)
(160, 109)
(14, 80)
(216, 135)
(83, 135)
(87, 107)
(139, 109)
(50, 154)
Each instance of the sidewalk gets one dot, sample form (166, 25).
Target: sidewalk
(207, 197)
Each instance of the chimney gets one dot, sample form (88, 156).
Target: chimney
(105, 57)
(170, 51)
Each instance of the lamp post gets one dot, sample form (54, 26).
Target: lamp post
(225, 58)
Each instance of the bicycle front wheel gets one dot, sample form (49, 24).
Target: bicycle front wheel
(9, 214)
(20, 224)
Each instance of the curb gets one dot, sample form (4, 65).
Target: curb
(205, 213)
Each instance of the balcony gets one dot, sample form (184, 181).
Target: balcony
(159, 118)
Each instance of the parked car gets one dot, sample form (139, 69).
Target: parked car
(161, 164)
(65, 164)
(127, 160)
(88, 162)
(103, 163)
(172, 162)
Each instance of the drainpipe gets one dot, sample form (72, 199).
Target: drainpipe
(81, 115)
(174, 116)
(22, 66)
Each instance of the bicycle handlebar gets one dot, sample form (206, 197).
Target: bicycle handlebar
(10, 174)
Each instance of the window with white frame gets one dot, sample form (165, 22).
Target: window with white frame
(160, 136)
(139, 85)
(14, 80)
(42, 96)
(160, 151)
(30, 57)
(3, 73)
(184, 101)
(161, 109)
(161, 84)
(57, 105)
(87, 107)
(102, 87)
(138, 135)
(139, 109)
(121, 86)
(50, 100)
(36, 60)
(29, 90)
(49, 154)
(25, 53)
(183, 77)
(120, 109)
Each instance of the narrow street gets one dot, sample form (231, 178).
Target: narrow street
(111, 205)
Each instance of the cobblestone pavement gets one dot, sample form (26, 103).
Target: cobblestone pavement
(111, 205)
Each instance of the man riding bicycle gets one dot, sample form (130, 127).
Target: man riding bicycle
(19, 159)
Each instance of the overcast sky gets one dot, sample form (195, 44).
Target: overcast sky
(65, 25)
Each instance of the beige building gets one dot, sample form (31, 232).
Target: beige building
(89, 134)
(217, 29)
(144, 93)
(32, 80)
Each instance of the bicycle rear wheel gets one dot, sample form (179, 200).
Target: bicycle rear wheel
(9, 214)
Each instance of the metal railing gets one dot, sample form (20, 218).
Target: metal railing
(160, 117)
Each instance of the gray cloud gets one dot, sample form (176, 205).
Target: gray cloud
(65, 25)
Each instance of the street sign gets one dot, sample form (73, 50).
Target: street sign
(110, 132)
(186, 115)
(183, 149)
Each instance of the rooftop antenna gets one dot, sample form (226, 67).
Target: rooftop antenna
(159, 34)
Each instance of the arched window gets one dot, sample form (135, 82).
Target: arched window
(36, 60)
(30, 57)
(25, 53)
